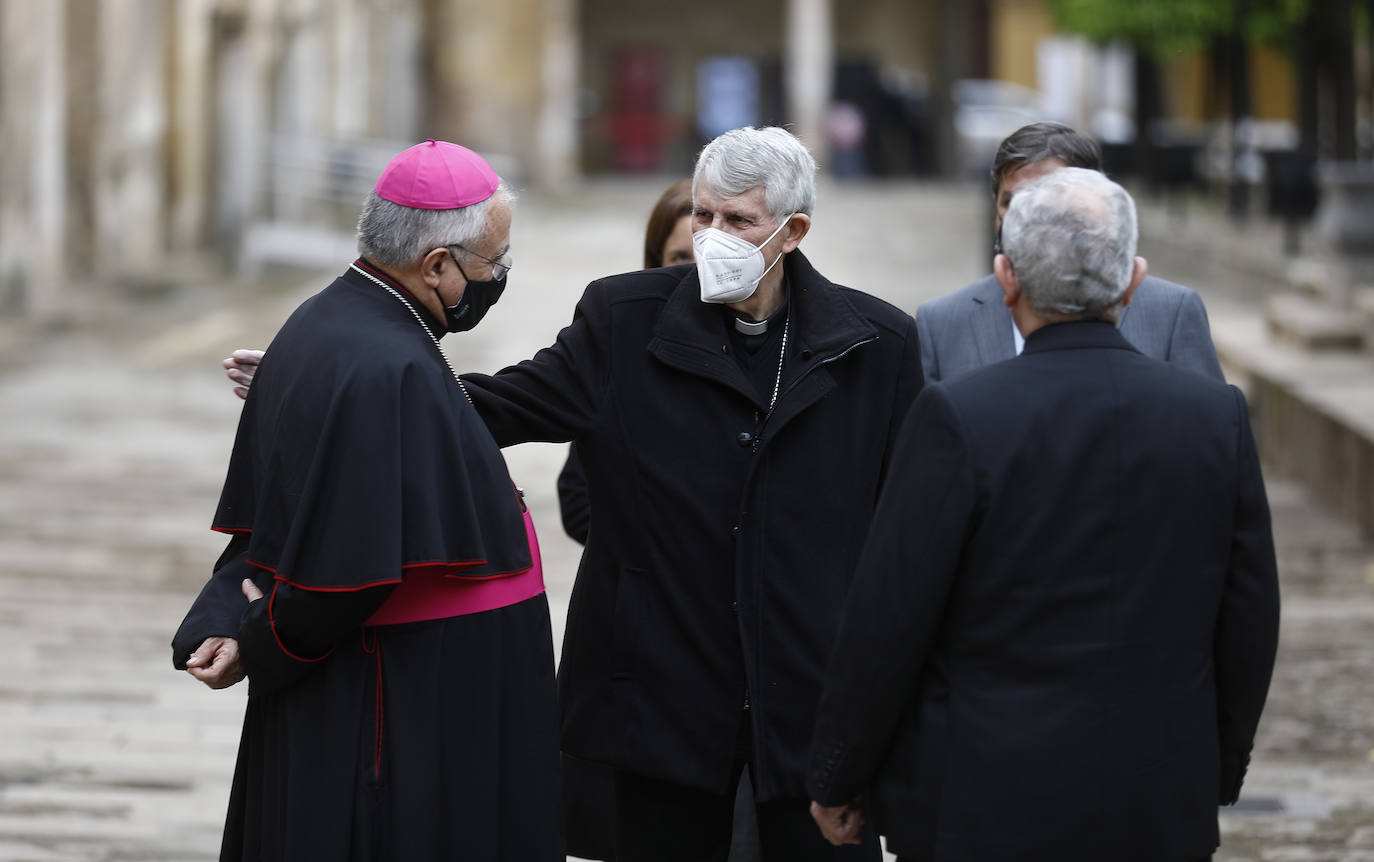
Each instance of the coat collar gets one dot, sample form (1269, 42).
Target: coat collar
(1076, 335)
(691, 334)
(824, 322)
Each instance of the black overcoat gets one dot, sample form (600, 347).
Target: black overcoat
(1062, 636)
(724, 537)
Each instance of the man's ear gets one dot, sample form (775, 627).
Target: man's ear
(1006, 277)
(797, 227)
(432, 266)
(1138, 270)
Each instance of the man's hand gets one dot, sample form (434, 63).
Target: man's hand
(240, 366)
(216, 661)
(840, 824)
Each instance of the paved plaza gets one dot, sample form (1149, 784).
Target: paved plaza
(116, 433)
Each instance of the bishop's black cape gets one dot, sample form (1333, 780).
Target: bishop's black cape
(359, 459)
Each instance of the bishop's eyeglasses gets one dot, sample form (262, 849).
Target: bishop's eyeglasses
(499, 267)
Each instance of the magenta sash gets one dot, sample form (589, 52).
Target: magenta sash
(424, 594)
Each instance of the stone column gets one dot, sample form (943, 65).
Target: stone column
(130, 178)
(241, 56)
(403, 89)
(33, 215)
(556, 158)
(189, 140)
(487, 79)
(955, 27)
(355, 98)
(809, 71)
(300, 112)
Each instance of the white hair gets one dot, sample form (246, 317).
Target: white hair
(771, 157)
(1071, 238)
(397, 236)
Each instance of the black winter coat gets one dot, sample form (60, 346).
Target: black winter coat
(725, 536)
(1065, 626)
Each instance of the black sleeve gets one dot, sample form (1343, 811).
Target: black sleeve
(285, 633)
(553, 396)
(216, 611)
(573, 504)
(892, 612)
(1247, 632)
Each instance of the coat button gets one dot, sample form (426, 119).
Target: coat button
(744, 439)
(734, 531)
(806, 355)
(734, 608)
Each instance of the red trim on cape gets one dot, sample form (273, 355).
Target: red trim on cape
(456, 564)
(367, 586)
(453, 565)
(272, 624)
(427, 595)
(370, 584)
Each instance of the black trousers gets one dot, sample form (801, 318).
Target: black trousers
(659, 821)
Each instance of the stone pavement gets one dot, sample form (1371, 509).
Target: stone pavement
(117, 430)
(1314, 408)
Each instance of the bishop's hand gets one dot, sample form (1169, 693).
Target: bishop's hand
(216, 662)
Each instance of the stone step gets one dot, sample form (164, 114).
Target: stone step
(1312, 412)
(1312, 324)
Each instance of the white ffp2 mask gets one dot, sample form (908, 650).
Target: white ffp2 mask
(730, 268)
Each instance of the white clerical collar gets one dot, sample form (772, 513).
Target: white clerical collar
(1017, 338)
(751, 327)
(759, 327)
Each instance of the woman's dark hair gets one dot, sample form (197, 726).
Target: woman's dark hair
(675, 203)
(1039, 141)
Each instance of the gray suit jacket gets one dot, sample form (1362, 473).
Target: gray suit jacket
(971, 328)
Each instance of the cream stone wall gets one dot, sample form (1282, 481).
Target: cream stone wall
(140, 133)
(143, 134)
(33, 138)
(903, 35)
(1016, 28)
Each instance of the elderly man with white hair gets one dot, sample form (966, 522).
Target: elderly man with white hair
(735, 417)
(1061, 631)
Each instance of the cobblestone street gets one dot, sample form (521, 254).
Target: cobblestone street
(117, 431)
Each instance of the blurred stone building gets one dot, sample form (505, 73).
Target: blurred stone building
(143, 134)
(140, 135)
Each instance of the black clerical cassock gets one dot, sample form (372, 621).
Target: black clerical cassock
(365, 498)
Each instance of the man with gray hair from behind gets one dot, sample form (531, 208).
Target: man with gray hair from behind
(1062, 627)
(1074, 244)
(970, 328)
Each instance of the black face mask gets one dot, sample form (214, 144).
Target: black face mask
(478, 298)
